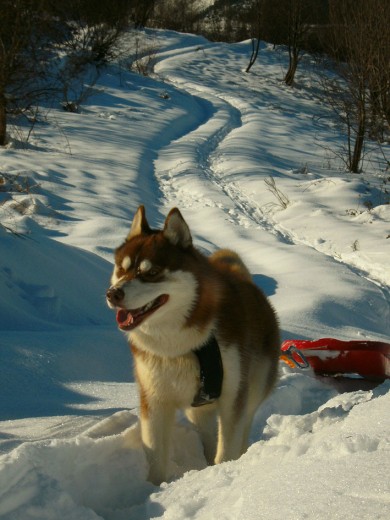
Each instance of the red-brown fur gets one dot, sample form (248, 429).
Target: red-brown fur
(206, 295)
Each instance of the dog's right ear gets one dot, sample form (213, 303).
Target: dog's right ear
(139, 225)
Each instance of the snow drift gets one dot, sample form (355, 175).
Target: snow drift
(203, 136)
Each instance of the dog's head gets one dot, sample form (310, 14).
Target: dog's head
(151, 283)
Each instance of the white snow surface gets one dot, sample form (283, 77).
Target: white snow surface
(202, 135)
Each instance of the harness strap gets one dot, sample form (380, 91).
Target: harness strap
(211, 373)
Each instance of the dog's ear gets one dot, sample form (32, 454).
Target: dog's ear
(176, 229)
(139, 225)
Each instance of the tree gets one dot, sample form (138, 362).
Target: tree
(256, 15)
(293, 23)
(296, 31)
(92, 29)
(360, 44)
(31, 34)
(22, 56)
(179, 15)
(141, 11)
(379, 75)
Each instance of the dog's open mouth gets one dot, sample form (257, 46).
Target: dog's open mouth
(128, 319)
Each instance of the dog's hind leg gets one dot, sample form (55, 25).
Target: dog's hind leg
(262, 379)
(231, 407)
(247, 428)
(236, 413)
(232, 428)
(204, 420)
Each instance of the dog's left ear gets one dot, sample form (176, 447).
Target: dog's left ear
(140, 225)
(176, 229)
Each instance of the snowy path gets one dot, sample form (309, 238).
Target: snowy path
(200, 155)
(197, 170)
(204, 139)
(207, 150)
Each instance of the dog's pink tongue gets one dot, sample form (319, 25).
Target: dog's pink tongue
(124, 318)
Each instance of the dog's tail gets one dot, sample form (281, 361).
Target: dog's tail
(228, 260)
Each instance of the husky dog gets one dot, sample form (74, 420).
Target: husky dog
(170, 300)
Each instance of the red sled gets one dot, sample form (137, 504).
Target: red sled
(333, 357)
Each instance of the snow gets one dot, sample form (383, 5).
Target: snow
(201, 135)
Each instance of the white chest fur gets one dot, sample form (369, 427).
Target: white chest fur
(174, 380)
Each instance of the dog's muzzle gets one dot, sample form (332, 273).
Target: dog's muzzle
(115, 296)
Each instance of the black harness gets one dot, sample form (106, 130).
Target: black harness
(211, 373)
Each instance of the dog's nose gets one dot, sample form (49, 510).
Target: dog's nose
(115, 295)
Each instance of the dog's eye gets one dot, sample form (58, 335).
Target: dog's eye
(150, 274)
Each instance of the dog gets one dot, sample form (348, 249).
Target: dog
(170, 299)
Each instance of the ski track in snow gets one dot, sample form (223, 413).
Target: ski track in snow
(226, 116)
(206, 142)
(307, 440)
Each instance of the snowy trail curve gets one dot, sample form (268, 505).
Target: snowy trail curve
(198, 154)
(232, 137)
(205, 141)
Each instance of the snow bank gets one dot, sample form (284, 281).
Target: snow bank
(333, 460)
(45, 284)
(313, 466)
(101, 473)
(202, 136)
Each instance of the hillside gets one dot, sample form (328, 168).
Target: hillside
(201, 135)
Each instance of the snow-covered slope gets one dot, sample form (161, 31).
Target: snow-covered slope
(201, 135)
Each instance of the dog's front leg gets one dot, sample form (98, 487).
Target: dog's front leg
(157, 420)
